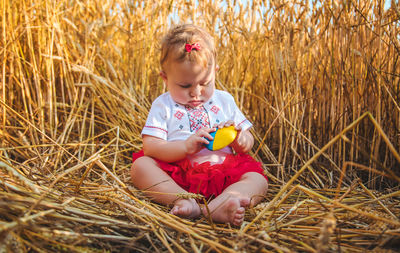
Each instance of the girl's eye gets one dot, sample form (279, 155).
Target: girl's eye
(185, 86)
(205, 84)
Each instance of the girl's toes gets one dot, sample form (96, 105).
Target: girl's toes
(241, 210)
(174, 210)
(238, 221)
(239, 216)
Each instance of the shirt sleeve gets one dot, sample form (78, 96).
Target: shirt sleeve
(237, 115)
(156, 123)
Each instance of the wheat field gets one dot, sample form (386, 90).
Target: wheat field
(320, 81)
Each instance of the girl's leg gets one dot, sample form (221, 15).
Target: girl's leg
(148, 176)
(230, 205)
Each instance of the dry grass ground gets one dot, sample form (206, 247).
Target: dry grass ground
(319, 81)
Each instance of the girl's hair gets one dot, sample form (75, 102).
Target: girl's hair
(173, 45)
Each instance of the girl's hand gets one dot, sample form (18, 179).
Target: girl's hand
(244, 142)
(227, 124)
(196, 141)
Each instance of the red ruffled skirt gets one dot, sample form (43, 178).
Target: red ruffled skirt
(209, 179)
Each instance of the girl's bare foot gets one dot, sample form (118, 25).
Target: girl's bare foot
(186, 208)
(230, 210)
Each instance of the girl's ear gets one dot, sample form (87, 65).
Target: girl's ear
(163, 75)
(216, 67)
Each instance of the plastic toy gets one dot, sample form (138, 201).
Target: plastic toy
(222, 138)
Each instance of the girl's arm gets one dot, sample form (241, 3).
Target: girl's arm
(163, 150)
(172, 151)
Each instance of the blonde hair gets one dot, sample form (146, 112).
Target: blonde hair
(174, 42)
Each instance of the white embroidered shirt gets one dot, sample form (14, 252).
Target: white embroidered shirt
(171, 121)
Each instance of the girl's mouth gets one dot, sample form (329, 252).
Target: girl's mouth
(195, 103)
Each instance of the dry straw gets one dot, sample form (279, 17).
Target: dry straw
(320, 82)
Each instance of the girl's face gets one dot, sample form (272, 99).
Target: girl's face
(189, 83)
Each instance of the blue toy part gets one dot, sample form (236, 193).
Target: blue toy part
(209, 146)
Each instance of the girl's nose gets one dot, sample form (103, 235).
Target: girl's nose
(196, 91)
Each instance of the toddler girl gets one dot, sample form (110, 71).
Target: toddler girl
(174, 159)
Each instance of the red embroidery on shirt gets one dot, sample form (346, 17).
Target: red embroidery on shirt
(198, 118)
(242, 122)
(214, 109)
(157, 128)
(179, 115)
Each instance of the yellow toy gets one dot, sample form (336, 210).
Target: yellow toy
(222, 138)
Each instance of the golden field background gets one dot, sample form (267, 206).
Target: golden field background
(319, 80)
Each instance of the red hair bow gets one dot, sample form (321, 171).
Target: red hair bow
(190, 47)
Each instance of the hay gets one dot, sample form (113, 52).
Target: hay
(319, 82)
(110, 216)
